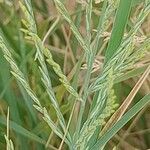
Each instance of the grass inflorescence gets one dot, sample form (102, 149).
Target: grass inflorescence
(83, 109)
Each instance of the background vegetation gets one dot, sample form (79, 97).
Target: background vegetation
(67, 66)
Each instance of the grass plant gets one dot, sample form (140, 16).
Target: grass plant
(73, 70)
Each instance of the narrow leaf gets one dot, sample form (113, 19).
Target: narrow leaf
(118, 27)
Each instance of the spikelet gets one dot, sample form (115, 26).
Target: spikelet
(98, 118)
(127, 49)
(63, 11)
(20, 77)
(41, 49)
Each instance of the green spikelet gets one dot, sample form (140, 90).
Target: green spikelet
(20, 77)
(63, 11)
(41, 49)
(58, 71)
(98, 119)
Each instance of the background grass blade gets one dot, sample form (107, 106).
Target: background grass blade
(121, 20)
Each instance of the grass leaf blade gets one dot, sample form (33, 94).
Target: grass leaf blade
(118, 27)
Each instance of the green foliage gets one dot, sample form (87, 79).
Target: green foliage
(118, 28)
(71, 112)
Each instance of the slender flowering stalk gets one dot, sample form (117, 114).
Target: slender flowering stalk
(20, 77)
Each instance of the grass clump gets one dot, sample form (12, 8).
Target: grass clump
(80, 107)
